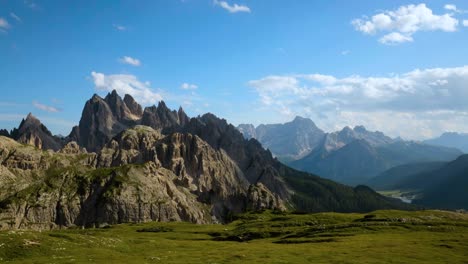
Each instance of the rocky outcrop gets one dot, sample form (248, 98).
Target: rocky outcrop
(162, 118)
(140, 175)
(209, 174)
(257, 164)
(4, 132)
(40, 193)
(31, 131)
(102, 119)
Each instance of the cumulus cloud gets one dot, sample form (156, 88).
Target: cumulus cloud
(395, 38)
(376, 101)
(4, 25)
(451, 7)
(46, 108)
(402, 23)
(130, 61)
(235, 8)
(126, 84)
(188, 86)
(465, 23)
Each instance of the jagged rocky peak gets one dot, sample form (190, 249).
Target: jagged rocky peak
(31, 131)
(183, 118)
(133, 106)
(4, 132)
(161, 117)
(120, 108)
(102, 119)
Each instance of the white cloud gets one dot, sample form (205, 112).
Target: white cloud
(419, 95)
(17, 18)
(46, 108)
(405, 21)
(4, 25)
(130, 61)
(120, 27)
(126, 84)
(451, 7)
(465, 23)
(188, 86)
(345, 52)
(232, 8)
(395, 38)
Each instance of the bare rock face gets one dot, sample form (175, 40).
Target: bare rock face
(257, 164)
(162, 118)
(72, 148)
(42, 190)
(140, 175)
(102, 119)
(208, 173)
(31, 131)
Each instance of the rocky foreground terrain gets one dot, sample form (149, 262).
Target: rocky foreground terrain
(128, 164)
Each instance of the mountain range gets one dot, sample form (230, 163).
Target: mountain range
(351, 156)
(451, 139)
(123, 163)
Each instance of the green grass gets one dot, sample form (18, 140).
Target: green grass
(378, 237)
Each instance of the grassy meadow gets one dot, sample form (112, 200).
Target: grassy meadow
(268, 237)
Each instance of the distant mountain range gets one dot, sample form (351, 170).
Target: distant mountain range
(350, 156)
(288, 141)
(451, 139)
(123, 163)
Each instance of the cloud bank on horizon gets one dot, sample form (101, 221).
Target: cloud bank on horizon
(413, 104)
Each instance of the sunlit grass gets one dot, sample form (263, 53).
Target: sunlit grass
(378, 237)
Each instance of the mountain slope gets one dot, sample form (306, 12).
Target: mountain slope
(446, 187)
(32, 131)
(358, 161)
(451, 139)
(389, 179)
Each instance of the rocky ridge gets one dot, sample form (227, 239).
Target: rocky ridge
(126, 164)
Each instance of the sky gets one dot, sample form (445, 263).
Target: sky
(400, 67)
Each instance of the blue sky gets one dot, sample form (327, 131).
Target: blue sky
(394, 66)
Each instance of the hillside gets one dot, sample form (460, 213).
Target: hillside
(389, 179)
(446, 187)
